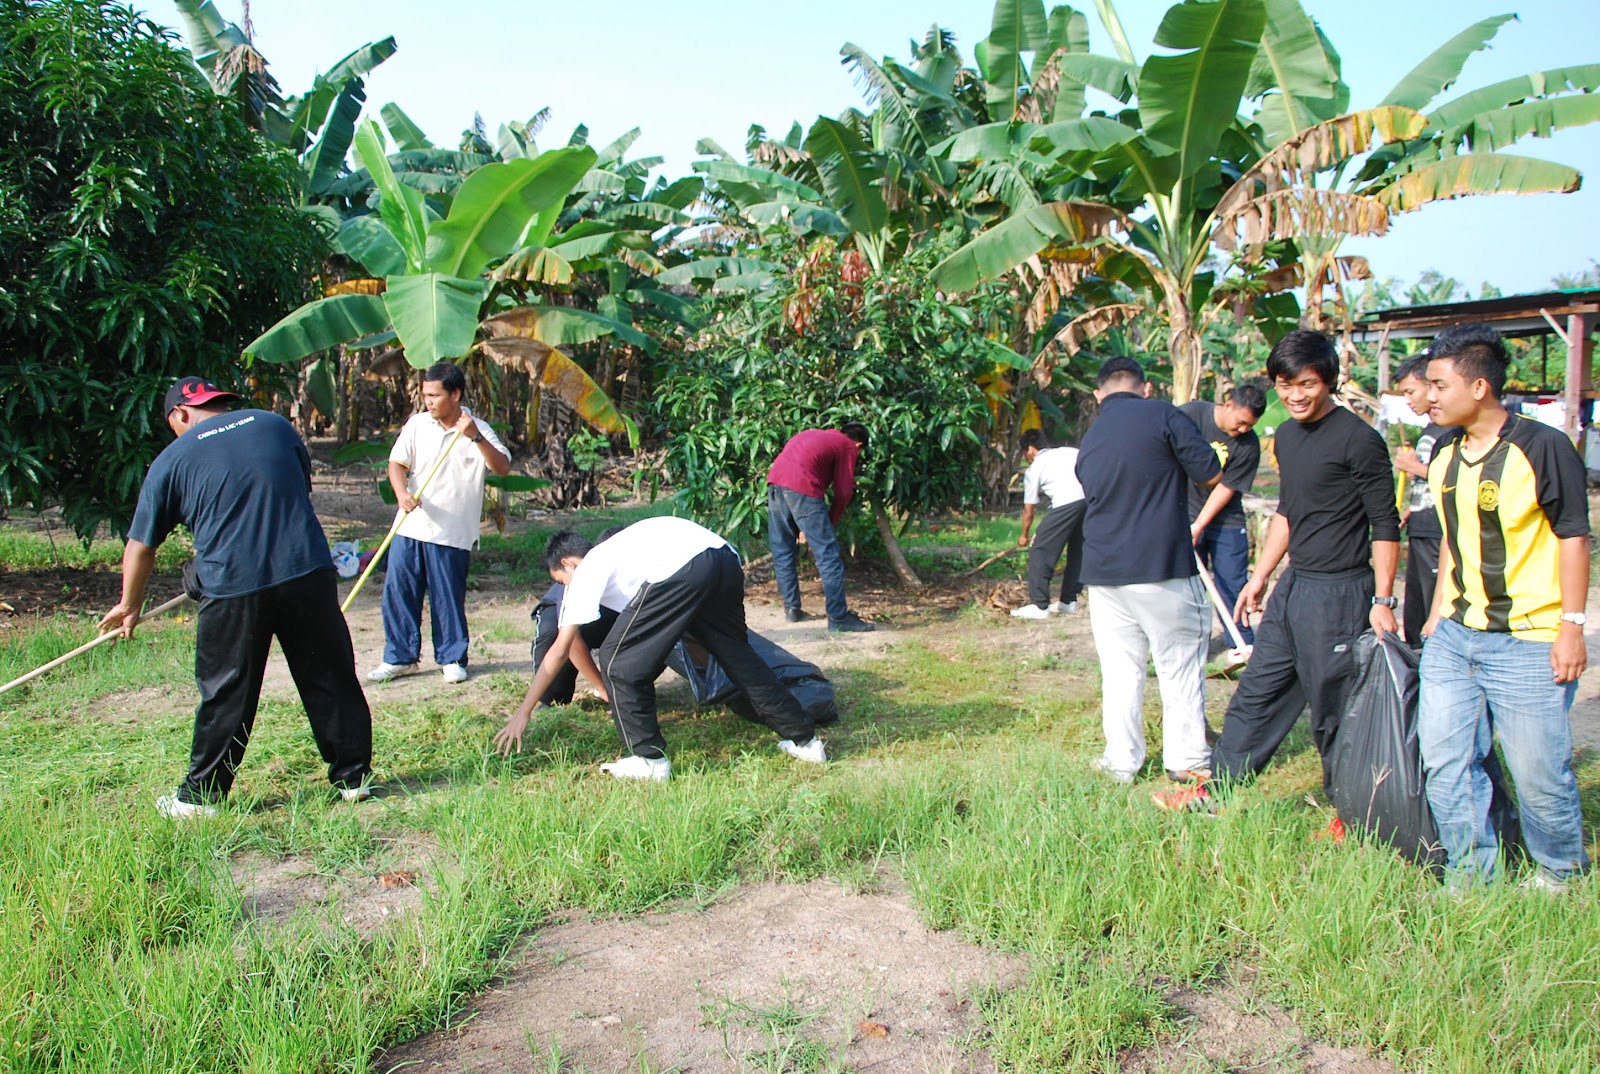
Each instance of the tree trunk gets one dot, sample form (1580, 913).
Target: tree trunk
(891, 544)
(1184, 341)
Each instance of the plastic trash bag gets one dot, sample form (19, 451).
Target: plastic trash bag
(1376, 761)
(711, 685)
(347, 558)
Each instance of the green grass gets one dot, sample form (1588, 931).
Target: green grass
(58, 549)
(125, 944)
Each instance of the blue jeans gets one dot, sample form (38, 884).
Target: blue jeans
(412, 569)
(789, 514)
(1478, 686)
(1225, 550)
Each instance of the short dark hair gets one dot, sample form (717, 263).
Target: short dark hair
(1119, 367)
(1303, 350)
(1250, 396)
(855, 431)
(1477, 351)
(564, 544)
(1033, 438)
(1415, 366)
(447, 375)
(608, 533)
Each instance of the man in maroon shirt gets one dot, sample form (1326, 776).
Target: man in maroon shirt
(807, 465)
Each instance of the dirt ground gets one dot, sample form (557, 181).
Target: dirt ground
(762, 974)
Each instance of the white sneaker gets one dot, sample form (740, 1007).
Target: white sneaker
(658, 769)
(1543, 882)
(385, 672)
(814, 751)
(1069, 608)
(1099, 765)
(1030, 611)
(174, 808)
(454, 673)
(356, 794)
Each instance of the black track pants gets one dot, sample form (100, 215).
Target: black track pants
(1062, 528)
(1304, 653)
(232, 640)
(704, 599)
(1422, 573)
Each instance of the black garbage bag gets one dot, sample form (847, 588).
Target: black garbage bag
(711, 685)
(1376, 762)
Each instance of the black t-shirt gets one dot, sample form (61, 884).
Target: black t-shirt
(1337, 491)
(1240, 456)
(241, 482)
(1135, 465)
(1424, 521)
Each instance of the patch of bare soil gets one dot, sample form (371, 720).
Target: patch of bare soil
(1230, 1028)
(276, 891)
(44, 592)
(769, 971)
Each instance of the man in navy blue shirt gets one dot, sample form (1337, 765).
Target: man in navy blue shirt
(1145, 600)
(241, 482)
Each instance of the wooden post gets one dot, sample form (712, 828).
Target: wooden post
(1383, 361)
(1580, 356)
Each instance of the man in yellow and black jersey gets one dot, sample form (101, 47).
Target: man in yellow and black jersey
(1505, 637)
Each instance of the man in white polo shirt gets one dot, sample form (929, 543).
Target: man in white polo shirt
(668, 577)
(1053, 472)
(431, 552)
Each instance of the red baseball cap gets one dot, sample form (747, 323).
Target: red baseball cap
(192, 391)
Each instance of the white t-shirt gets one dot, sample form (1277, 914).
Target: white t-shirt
(616, 569)
(452, 509)
(1054, 473)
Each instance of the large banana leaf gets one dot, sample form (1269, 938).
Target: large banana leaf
(369, 241)
(406, 134)
(210, 35)
(1069, 32)
(401, 207)
(1090, 134)
(1531, 119)
(805, 219)
(325, 162)
(680, 194)
(1291, 57)
(710, 268)
(492, 212)
(850, 176)
(1187, 101)
(1113, 25)
(1018, 26)
(563, 326)
(1113, 77)
(1478, 173)
(1443, 66)
(563, 378)
(1584, 78)
(436, 316)
(362, 61)
(320, 387)
(319, 325)
(722, 170)
(989, 141)
(1011, 242)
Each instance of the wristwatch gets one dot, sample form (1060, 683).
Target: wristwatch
(1388, 602)
(475, 439)
(1575, 618)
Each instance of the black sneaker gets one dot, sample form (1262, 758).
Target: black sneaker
(850, 624)
(795, 615)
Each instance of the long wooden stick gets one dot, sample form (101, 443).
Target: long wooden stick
(400, 516)
(1216, 599)
(110, 635)
(996, 558)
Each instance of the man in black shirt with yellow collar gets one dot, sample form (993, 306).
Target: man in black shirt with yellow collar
(1337, 522)
(1505, 640)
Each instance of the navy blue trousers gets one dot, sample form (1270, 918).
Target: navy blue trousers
(415, 569)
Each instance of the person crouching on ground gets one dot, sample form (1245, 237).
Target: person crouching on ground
(1053, 472)
(667, 577)
(1505, 643)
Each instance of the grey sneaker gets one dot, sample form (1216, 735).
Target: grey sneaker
(1543, 882)
(174, 808)
(384, 672)
(814, 751)
(657, 769)
(1058, 608)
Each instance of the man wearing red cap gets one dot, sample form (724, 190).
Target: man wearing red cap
(240, 480)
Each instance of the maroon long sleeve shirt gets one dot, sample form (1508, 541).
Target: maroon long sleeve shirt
(814, 459)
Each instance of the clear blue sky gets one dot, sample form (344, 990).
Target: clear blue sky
(682, 71)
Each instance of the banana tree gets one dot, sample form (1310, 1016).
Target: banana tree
(436, 295)
(1151, 174)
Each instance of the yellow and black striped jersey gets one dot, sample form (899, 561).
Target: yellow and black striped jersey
(1504, 515)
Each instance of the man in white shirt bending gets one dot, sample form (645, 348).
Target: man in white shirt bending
(1052, 472)
(433, 548)
(668, 577)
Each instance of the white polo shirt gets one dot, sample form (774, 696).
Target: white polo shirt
(614, 571)
(1054, 473)
(451, 512)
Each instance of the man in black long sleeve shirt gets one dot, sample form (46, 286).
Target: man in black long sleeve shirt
(1336, 520)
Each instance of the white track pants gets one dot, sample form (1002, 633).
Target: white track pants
(1170, 622)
